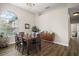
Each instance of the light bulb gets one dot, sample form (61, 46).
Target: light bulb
(76, 14)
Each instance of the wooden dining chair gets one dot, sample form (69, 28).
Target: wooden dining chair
(17, 42)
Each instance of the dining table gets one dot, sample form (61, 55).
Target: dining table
(30, 42)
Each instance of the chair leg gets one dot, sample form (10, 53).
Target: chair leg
(28, 49)
(28, 52)
(22, 50)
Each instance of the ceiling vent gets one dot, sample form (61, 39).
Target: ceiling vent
(39, 14)
(30, 4)
(47, 7)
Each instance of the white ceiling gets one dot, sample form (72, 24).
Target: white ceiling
(39, 7)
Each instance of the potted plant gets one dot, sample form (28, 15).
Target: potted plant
(35, 30)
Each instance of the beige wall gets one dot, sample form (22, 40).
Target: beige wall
(73, 27)
(56, 20)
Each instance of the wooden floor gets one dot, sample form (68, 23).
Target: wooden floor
(47, 50)
(73, 49)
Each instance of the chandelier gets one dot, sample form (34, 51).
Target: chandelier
(30, 4)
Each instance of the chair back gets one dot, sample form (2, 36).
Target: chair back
(47, 36)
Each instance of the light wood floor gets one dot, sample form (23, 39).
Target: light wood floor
(73, 49)
(47, 50)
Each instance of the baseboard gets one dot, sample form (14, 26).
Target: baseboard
(60, 43)
(56, 43)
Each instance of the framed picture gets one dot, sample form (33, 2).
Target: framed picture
(27, 26)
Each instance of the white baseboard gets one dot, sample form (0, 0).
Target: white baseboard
(61, 44)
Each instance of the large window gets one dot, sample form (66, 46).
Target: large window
(8, 20)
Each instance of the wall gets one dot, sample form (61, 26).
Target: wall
(78, 33)
(55, 20)
(23, 17)
(73, 30)
(73, 27)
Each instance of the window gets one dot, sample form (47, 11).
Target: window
(7, 18)
(8, 15)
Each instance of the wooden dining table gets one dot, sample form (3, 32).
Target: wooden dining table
(28, 41)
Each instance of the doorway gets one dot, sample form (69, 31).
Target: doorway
(74, 31)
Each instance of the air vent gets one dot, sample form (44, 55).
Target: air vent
(47, 7)
(39, 14)
(30, 4)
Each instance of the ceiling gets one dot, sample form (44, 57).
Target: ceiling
(37, 7)
(74, 19)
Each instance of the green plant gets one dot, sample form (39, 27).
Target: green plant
(35, 29)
